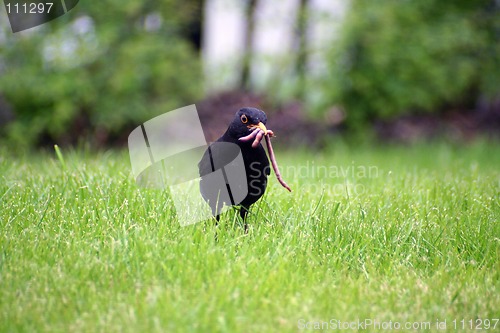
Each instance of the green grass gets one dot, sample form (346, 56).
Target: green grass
(83, 249)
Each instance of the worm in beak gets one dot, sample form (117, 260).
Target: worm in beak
(258, 132)
(260, 126)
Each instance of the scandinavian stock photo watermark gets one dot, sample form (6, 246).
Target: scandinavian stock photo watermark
(388, 325)
(334, 180)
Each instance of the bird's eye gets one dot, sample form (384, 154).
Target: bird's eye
(244, 119)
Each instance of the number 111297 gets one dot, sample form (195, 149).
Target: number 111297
(476, 324)
(29, 8)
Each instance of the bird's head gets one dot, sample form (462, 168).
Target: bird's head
(245, 120)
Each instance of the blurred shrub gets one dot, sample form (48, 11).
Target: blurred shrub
(398, 56)
(105, 66)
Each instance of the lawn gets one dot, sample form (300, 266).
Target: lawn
(387, 235)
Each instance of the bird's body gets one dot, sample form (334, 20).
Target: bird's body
(255, 162)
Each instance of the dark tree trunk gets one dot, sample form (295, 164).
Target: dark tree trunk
(248, 47)
(193, 31)
(301, 62)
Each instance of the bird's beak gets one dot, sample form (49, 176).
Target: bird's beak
(261, 126)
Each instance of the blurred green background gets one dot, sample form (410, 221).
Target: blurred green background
(393, 67)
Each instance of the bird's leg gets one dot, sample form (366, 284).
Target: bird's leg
(217, 218)
(243, 214)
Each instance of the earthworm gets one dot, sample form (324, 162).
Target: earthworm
(251, 135)
(257, 134)
(258, 138)
(274, 163)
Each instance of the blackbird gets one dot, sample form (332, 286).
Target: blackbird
(222, 151)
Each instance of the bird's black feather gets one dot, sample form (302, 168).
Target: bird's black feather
(255, 161)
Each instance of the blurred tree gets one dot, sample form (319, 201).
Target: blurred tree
(250, 12)
(404, 56)
(301, 36)
(101, 68)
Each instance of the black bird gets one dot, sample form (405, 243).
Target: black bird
(220, 154)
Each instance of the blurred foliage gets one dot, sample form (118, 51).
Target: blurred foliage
(103, 67)
(107, 66)
(396, 57)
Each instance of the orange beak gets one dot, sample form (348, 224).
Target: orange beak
(261, 126)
